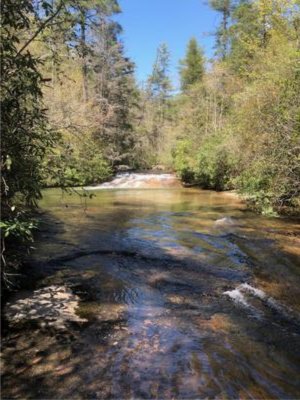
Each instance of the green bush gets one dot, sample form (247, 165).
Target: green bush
(213, 167)
(95, 170)
(210, 167)
(17, 228)
(16, 237)
(182, 161)
(265, 188)
(69, 168)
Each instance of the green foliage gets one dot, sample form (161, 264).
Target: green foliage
(116, 93)
(246, 36)
(224, 7)
(192, 67)
(92, 94)
(26, 136)
(183, 164)
(154, 113)
(76, 165)
(213, 168)
(159, 82)
(16, 237)
(210, 166)
(17, 228)
(242, 126)
(82, 171)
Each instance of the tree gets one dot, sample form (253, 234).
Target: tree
(93, 96)
(158, 93)
(87, 14)
(26, 137)
(115, 94)
(240, 127)
(224, 7)
(254, 25)
(192, 67)
(159, 82)
(159, 86)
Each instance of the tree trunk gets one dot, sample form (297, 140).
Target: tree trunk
(84, 61)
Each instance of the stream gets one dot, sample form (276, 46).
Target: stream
(149, 290)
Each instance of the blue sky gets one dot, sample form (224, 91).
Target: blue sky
(147, 23)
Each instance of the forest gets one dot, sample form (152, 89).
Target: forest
(150, 235)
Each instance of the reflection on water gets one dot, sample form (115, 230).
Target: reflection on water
(182, 294)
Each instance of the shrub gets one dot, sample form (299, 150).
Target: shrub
(182, 161)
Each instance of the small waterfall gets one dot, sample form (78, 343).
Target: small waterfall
(129, 180)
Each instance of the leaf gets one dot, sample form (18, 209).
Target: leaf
(8, 162)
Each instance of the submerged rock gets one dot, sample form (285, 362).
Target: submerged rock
(226, 221)
(50, 306)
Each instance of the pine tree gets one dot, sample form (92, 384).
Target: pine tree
(192, 67)
(159, 82)
(114, 94)
(225, 8)
(88, 14)
(158, 93)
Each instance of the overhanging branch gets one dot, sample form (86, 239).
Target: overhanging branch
(43, 25)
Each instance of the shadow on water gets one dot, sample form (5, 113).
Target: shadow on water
(172, 305)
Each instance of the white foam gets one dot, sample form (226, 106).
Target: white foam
(270, 301)
(238, 295)
(254, 291)
(239, 298)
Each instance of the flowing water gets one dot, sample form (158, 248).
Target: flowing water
(166, 293)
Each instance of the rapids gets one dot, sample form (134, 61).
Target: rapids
(164, 293)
